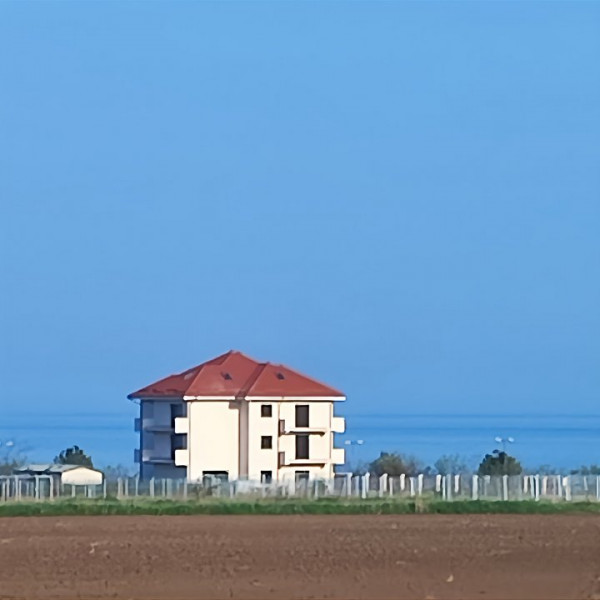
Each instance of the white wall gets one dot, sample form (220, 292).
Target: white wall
(213, 439)
(226, 435)
(81, 476)
(259, 459)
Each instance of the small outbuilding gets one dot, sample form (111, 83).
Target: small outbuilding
(64, 474)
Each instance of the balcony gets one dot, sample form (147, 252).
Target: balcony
(181, 458)
(151, 456)
(182, 425)
(338, 425)
(289, 428)
(338, 456)
(289, 460)
(153, 426)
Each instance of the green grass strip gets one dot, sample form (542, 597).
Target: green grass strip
(83, 507)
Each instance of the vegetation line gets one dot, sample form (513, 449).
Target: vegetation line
(79, 507)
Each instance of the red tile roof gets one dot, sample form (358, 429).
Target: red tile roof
(235, 374)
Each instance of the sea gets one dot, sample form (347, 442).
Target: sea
(561, 442)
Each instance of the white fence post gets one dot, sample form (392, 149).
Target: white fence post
(536, 481)
(382, 484)
(348, 484)
(438, 483)
(544, 485)
(420, 478)
(402, 482)
(411, 483)
(568, 497)
(504, 487)
(475, 487)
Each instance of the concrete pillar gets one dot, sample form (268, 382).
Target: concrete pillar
(475, 487)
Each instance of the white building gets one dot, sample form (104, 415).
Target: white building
(236, 418)
(64, 474)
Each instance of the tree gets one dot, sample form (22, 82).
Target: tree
(394, 464)
(451, 464)
(74, 456)
(117, 472)
(587, 470)
(500, 463)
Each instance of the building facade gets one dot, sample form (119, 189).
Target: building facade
(236, 418)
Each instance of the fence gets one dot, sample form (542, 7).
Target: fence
(344, 485)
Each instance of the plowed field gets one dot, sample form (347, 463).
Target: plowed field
(411, 556)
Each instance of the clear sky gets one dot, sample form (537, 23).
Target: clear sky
(401, 199)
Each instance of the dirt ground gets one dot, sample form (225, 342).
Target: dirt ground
(409, 556)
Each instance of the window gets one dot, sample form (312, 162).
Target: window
(302, 446)
(302, 415)
(266, 476)
(266, 410)
(266, 442)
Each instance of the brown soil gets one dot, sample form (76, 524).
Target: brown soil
(413, 556)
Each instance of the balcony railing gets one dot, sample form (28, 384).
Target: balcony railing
(153, 426)
(151, 456)
(338, 425)
(181, 425)
(286, 427)
(338, 456)
(181, 458)
(287, 459)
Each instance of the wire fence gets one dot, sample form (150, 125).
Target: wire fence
(344, 485)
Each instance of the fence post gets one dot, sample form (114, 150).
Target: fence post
(544, 485)
(438, 483)
(585, 486)
(504, 487)
(475, 487)
(402, 482)
(559, 486)
(411, 482)
(597, 487)
(568, 488)
(104, 489)
(365, 483)
(119, 488)
(536, 481)
(348, 484)
(525, 484)
(444, 486)
(391, 486)
(420, 484)
(382, 484)
(457, 484)
(152, 487)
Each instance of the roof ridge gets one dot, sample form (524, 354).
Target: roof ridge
(252, 379)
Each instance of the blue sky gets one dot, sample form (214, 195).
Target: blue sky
(402, 199)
